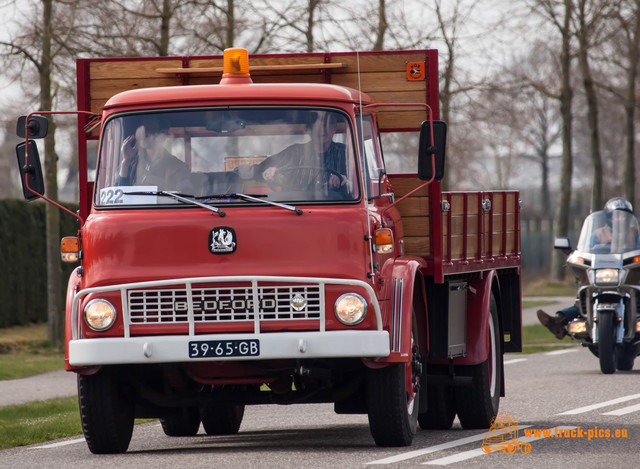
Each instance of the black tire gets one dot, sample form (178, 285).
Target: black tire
(186, 422)
(606, 342)
(441, 409)
(477, 405)
(106, 412)
(222, 419)
(393, 418)
(625, 356)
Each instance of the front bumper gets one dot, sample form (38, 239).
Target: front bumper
(280, 345)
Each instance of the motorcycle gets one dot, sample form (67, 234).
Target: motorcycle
(606, 267)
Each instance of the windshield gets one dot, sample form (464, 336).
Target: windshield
(284, 155)
(609, 232)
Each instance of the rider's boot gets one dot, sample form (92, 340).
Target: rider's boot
(556, 324)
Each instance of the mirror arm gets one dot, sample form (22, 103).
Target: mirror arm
(28, 167)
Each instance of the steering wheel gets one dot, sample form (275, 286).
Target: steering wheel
(314, 171)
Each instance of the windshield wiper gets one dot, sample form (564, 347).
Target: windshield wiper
(254, 198)
(184, 198)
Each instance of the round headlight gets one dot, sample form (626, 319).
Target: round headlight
(99, 315)
(350, 309)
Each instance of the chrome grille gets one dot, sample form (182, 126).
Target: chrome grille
(224, 304)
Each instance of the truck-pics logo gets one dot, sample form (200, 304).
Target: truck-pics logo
(222, 240)
(503, 436)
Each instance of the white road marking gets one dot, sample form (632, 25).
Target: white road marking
(474, 453)
(624, 410)
(60, 443)
(582, 410)
(563, 351)
(515, 360)
(431, 449)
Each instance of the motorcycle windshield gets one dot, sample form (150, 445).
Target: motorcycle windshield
(613, 232)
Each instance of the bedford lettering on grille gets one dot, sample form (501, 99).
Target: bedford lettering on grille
(211, 304)
(223, 305)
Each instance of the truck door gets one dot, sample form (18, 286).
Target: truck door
(378, 195)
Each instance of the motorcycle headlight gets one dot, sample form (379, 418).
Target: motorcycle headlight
(607, 277)
(350, 309)
(99, 315)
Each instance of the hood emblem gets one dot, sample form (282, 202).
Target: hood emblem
(222, 240)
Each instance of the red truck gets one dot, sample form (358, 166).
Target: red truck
(240, 242)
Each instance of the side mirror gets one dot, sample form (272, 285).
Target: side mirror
(32, 173)
(564, 244)
(428, 148)
(38, 126)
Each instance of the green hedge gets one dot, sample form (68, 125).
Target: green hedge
(23, 269)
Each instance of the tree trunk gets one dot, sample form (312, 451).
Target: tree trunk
(566, 99)
(231, 24)
(628, 176)
(592, 111)
(165, 28)
(55, 314)
(382, 25)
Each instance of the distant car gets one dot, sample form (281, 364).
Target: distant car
(503, 436)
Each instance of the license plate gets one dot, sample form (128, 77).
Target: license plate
(224, 348)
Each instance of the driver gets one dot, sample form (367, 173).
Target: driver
(321, 160)
(615, 209)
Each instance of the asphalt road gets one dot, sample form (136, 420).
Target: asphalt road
(544, 391)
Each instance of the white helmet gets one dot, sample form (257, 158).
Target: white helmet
(618, 203)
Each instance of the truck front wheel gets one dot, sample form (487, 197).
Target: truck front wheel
(393, 400)
(106, 412)
(478, 403)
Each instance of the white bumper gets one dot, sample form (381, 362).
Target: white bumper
(281, 345)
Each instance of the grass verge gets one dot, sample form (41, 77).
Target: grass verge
(23, 364)
(37, 422)
(537, 338)
(25, 351)
(544, 287)
(42, 421)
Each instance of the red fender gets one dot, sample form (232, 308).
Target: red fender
(72, 288)
(399, 282)
(478, 313)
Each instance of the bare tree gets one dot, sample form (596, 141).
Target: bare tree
(214, 27)
(590, 19)
(450, 21)
(382, 25)
(39, 45)
(626, 44)
(559, 14)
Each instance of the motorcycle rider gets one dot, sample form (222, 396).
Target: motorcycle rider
(601, 236)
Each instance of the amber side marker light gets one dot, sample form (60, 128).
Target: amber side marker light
(235, 66)
(383, 241)
(70, 249)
